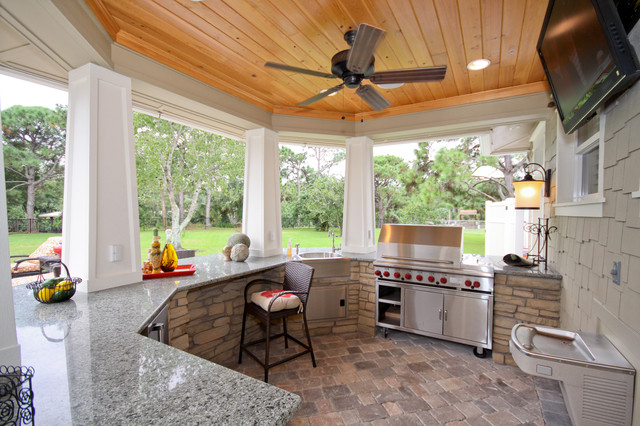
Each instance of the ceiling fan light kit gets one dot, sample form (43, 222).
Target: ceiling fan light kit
(357, 63)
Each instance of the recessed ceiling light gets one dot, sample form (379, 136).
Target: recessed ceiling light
(390, 85)
(478, 64)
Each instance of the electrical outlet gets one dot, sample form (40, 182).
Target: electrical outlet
(115, 253)
(615, 272)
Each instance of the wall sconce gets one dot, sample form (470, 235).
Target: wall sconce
(528, 189)
(528, 192)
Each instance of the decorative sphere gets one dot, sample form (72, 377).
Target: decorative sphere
(239, 252)
(239, 238)
(226, 252)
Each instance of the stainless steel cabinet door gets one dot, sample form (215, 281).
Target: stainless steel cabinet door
(466, 317)
(423, 310)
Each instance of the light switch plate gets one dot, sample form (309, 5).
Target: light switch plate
(115, 253)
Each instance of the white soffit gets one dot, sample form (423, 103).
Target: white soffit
(508, 139)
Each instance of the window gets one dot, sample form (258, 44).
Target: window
(580, 158)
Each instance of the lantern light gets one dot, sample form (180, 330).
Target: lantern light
(528, 190)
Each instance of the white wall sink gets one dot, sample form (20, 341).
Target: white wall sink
(597, 382)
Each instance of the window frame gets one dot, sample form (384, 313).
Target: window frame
(569, 155)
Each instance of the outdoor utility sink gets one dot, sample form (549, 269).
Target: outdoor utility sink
(597, 382)
(319, 255)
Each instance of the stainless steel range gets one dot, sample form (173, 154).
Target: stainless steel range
(425, 285)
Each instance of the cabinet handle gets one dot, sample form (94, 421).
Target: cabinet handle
(445, 314)
(440, 314)
(159, 327)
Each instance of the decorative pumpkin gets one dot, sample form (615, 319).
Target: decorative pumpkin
(239, 252)
(239, 238)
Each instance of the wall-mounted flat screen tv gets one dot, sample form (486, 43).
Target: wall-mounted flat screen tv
(586, 56)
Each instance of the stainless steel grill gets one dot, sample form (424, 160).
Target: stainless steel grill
(426, 285)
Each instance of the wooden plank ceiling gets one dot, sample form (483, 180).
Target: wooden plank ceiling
(225, 44)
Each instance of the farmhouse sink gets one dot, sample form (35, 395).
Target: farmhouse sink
(319, 255)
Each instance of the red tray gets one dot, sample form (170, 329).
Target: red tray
(180, 270)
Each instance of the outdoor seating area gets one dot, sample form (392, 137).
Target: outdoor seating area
(45, 260)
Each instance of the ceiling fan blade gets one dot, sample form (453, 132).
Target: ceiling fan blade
(322, 95)
(371, 96)
(299, 70)
(412, 75)
(367, 39)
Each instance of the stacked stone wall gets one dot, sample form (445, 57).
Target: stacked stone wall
(522, 299)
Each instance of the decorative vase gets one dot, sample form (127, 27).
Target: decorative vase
(169, 258)
(155, 255)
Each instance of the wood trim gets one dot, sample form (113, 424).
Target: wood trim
(489, 95)
(104, 16)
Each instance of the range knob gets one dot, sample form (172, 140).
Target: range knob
(476, 284)
(407, 276)
(467, 283)
(378, 272)
(431, 278)
(385, 273)
(419, 277)
(396, 274)
(443, 280)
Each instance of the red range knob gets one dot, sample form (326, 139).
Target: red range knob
(431, 278)
(407, 276)
(378, 272)
(419, 277)
(385, 273)
(467, 283)
(396, 274)
(476, 284)
(443, 280)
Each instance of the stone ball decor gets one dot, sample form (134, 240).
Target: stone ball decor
(226, 252)
(239, 252)
(239, 238)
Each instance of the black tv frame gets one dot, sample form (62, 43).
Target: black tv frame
(625, 66)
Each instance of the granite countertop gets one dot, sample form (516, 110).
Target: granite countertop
(537, 271)
(92, 367)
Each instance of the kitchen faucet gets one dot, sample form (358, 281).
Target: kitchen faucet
(332, 234)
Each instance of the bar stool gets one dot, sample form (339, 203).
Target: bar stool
(279, 304)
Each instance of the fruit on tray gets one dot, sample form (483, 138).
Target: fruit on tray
(63, 291)
(46, 294)
(51, 282)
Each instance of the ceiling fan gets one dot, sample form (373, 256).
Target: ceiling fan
(357, 64)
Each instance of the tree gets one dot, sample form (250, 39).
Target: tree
(388, 172)
(182, 161)
(34, 144)
(293, 168)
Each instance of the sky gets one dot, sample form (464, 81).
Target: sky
(14, 91)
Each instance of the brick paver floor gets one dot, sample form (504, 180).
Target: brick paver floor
(405, 379)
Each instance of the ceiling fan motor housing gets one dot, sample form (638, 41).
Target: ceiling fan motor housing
(339, 69)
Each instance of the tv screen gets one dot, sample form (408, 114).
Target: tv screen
(586, 57)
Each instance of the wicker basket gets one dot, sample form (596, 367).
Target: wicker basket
(49, 291)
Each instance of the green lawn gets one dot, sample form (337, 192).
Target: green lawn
(212, 240)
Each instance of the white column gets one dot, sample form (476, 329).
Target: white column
(359, 226)
(100, 229)
(261, 219)
(9, 348)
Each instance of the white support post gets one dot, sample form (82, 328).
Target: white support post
(261, 218)
(101, 234)
(9, 347)
(359, 226)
